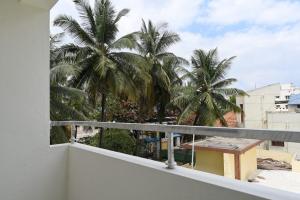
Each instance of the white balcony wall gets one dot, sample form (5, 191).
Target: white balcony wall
(28, 167)
(57, 171)
(100, 174)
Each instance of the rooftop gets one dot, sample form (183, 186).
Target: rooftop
(286, 180)
(226, 145)
(294, 99)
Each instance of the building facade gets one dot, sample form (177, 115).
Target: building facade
(294, 103)
(272, 107)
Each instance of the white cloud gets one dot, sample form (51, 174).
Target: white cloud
(262, 12)
(264, 55)
(177, 13)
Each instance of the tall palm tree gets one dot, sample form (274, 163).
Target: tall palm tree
(152, 44)
(207, 95)
(103, 67)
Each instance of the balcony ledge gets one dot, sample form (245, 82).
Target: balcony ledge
(201, 177)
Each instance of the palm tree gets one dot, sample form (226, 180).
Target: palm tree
(103, 68)
(208, 92)
(152, 44)
(63, 99)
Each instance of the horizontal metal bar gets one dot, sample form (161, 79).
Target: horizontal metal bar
(259, 134)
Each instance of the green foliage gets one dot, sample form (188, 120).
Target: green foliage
(58, 135)
(182, 156)
(103, 68)
(152, 43)
(66, 103)
(207, 94)
(232, 99)
(115, 140)
(99, 76)
(122, 110)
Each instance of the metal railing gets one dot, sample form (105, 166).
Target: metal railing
(259, 134)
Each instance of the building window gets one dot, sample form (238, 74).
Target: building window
(277, 106)
(298, 106)
(277, 97)
(287, 97)
(277, 144)
(287, 107)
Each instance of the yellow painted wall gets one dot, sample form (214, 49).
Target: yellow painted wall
(164, 145)
(248, 163)
(223, 164)
(281, 156)
(276, 155)
(295, 164)
(229, 168)
(210, 161)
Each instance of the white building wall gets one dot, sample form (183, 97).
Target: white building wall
(260, 112)
(256, 104)
(25, 155)
(285, 121)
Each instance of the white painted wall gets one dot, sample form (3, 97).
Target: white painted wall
(270, 98)
(260, 112)
(56, 172)
(285, 121)
(100, 174)
(294, 108)
(257, 104)
(29, 169)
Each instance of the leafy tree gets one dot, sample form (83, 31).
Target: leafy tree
(115, 140)
(103, 67)
(152, 44)
(207, 94)
(124, 110)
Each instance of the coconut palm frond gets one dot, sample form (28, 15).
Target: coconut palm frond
(210, 88)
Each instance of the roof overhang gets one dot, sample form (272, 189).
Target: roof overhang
(43, 4)
(222, 149)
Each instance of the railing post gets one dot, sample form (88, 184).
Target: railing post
(171, 160)
(73, 133)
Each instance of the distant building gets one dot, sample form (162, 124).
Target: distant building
(294, 103)
(274, 107)
(286, 92)
(230, 157)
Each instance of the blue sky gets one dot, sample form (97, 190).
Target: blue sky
(263, 34)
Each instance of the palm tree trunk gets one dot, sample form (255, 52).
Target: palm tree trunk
(198, 137)
(161, 117)
(196, 119)
(102, 119)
